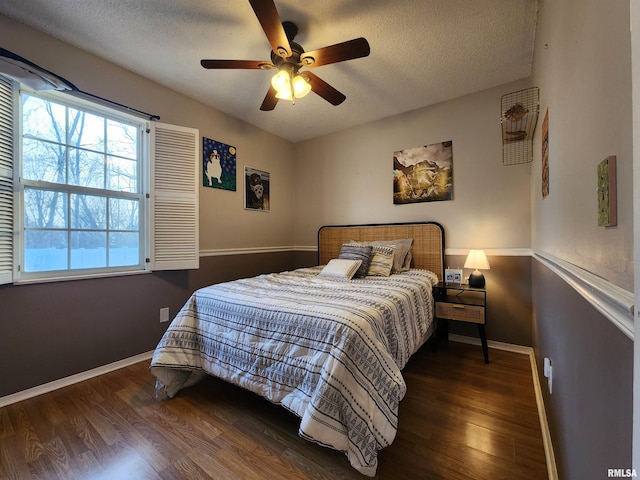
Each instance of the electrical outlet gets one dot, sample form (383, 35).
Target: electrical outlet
(164, 314)
(547, 364)
(548, 373)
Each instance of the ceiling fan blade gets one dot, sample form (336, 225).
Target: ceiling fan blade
(323, 89)
(356, 48)
(269, 18)
(270, 100)
(246, 64)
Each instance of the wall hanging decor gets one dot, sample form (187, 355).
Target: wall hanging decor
(423, 174)
(607, 193)
(256, 189)
(518, 118)
(545, 155)
(218, 165)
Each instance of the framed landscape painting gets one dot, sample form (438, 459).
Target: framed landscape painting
(423, 174)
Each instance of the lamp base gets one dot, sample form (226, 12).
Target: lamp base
(476, 280)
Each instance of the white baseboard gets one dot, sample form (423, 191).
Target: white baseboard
(507, 347)
(542, 414)
(544, 425)
(65, 382)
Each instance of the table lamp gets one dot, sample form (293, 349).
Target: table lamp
(477, 260)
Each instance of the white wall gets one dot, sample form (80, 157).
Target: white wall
(347, 177)
(582, 66)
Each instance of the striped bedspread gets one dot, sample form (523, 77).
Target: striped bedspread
(329, 350)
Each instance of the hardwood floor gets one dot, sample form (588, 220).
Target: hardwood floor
(461, 419)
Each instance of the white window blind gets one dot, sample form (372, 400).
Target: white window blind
(7, 107)
(174, 198)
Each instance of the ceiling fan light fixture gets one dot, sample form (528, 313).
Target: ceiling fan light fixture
(284, 94)
(288, 88)
(288, 57)
(301, 86)
(281, 81)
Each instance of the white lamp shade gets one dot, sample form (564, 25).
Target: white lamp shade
(477, 260)
(281, 80)
(284, 94)
(301, 86)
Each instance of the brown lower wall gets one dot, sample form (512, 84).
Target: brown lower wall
(509, 310)
(50, 331)
(590, 408)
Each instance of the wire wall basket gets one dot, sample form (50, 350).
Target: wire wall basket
(519, 117)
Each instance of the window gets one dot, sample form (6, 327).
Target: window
(93, 190)
(81, 188)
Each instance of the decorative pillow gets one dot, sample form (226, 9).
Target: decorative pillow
(403, 249)
(407, 261)
(340, 268)
(381, 260)
(351, 251)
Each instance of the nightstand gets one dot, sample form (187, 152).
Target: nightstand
(461, 303)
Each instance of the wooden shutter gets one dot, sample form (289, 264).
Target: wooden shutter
(174, 197)
(7, 107)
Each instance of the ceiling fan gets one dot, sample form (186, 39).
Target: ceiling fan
(289, 57)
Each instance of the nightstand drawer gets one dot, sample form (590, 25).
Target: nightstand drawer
(456, 311)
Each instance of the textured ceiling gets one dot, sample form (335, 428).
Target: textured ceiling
(422, 51)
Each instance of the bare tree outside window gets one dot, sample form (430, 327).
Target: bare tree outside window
(81, 177)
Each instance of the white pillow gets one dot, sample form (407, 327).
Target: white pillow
(340, 268)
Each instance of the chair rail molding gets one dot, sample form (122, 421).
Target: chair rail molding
(493, 252)
(615, 303)
(219, 252)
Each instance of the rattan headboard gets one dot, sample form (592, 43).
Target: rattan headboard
(428, 241)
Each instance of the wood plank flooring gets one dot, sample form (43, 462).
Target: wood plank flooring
(461, 419)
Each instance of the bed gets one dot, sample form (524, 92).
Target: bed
(329, 349)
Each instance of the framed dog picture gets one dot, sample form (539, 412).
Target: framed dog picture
(218, 165)
(256, 189)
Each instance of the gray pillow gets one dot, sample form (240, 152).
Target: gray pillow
(403, 249)
(357, 252)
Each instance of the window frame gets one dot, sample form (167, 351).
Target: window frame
(173, 172)
(142, 196)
